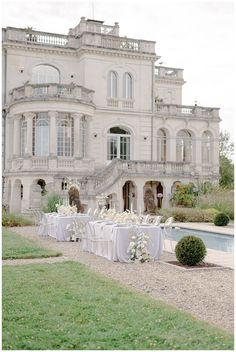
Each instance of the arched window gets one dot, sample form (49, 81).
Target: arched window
(118, 143)
(184, 146)
(127, 86)
(23, 134)
(41, 134)
(65, 135)
(112, 84)
(45, 74)
(161, 145)
(206, 147)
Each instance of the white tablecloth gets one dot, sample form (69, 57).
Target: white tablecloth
(54, 224)
(111, 240)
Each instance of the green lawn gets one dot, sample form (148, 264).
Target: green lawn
(65, 306)
(15, 247)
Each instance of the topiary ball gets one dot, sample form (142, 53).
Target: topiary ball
(221, 219)
(190, 250)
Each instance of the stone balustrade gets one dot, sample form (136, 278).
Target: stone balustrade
(118, 168)
(168, 72)
(186, 111)
(106, 37)
(70, 91)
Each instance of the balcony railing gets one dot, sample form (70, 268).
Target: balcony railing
(118, 168)
(186, 111)
(168, 72)
(104, 38)
(55, 90)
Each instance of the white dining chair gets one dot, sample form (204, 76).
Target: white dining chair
(167, 230)
(146, 219)
(157, 220)
(89, 211)
(95, 214)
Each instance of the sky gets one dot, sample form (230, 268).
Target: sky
(196, 35)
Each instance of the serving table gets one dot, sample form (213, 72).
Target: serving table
(55, 225)
(110, 240)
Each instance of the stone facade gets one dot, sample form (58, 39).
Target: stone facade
(92, 106)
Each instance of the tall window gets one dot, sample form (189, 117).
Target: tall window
(184, 146)
(23, 133)
(45, 74)
(206, 147)
(41, 134)
(118, 144)
(161, 145)
(112, 84)
(127, 86)
(65, 135)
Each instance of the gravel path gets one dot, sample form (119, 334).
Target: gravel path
(206, 294)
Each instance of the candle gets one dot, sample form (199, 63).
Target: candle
(131, 207)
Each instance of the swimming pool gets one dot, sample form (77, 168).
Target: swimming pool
(212, 240)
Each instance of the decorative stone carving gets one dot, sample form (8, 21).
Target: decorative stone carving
(74, 198)
(149, 201)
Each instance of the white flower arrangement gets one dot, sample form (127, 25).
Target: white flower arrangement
(66, 209)
(74, 231)
(126, 217)
(138, 248)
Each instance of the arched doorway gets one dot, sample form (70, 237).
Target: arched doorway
(129, 196)
(112, 201)
(153, 196)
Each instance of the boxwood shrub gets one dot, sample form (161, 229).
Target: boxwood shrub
(190, 250)
(221, 219)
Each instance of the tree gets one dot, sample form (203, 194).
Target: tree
(226, 157)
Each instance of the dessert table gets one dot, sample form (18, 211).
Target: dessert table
(110, 240)
(54, 224)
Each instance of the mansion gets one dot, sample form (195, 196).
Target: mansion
(97, 108)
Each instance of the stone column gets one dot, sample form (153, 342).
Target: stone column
(171, 146)
(87, 141)
(198, 154)
(53, 133)
(16, 136)
(77, 135)
(29, 136)
(140, 197)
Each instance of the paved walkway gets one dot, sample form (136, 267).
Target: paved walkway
(208, 227)
(207, 294)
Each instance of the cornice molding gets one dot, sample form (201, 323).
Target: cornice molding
(49, 50)
(117, 53)
(179, 82)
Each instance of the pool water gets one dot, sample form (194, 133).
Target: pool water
(211, 240)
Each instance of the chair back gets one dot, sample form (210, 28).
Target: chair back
(168, 226)
(158, 220)
(89, 211)
(146, 219)
(95, 213)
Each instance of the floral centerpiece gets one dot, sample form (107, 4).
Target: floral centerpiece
(138, 248)
(127, 217)
(66, 209)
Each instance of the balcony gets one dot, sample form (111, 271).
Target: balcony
(48, 164)
(169, 73)
(106, 37)
(187, 111)
(52, 90)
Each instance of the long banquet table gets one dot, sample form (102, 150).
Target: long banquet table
(54, 224)
(111, 240)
